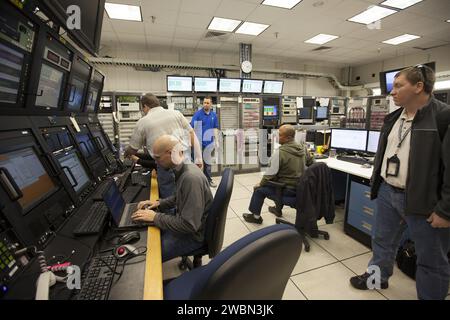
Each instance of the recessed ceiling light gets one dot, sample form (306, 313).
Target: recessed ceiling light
(223, 24)
(372, 14)
(321, 39)
(401, 39)
(448, 21)
(286, 4)
(123, 11)
(400, 4)
(252, 28)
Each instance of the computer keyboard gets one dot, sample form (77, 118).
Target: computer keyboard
(130, 193)
(353, 160)
(139, 178)
(124, 178)
(133, 208)
(94, 221)
(98, 193)
(97, 278)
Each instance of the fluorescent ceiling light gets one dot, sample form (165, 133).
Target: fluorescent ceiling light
(123, 11)
(372, 14)
(222, 24)
(448, 21)
(400, 4)
(286, 4)
(401, 39)
(252, 28)
(321, 39)
(441, 85)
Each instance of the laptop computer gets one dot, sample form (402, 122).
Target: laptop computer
(120, 210)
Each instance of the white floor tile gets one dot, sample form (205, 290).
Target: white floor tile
(231, 214)
(234, 230)
(268, 220)
(240, 193)
(171, 270)
(315, 258)
(292, 293)
(401, 287)
(332, 283)
(340, 245)
(241, 206)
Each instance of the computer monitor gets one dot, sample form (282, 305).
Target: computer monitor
(270, 111)
(179, 84)
(273, 87)
(49, 87)
(309, 103)
(114, 201)
(227, 85)
(252, 86)
(346, 139)
(74, 170)
(78, 88)
(26, 171)
(372, 141)
(205, 84)
(305, 115)
(321, 113)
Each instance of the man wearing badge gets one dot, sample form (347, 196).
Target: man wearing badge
(411, 182)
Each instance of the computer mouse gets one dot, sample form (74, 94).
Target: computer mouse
(130, 237)
(124, 251)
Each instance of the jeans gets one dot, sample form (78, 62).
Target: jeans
(175, 245)
(431, 245)
(166, 182)
(262, 193)
(207, 166)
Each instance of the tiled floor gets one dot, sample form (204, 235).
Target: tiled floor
(322, 273)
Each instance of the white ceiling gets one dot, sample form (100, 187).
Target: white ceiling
(183, 24)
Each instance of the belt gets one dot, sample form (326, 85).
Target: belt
(396, 189)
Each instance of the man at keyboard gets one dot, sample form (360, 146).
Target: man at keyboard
(182, 232)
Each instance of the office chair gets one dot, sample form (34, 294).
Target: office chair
(306, 222)
(241, 270)
(215, 223)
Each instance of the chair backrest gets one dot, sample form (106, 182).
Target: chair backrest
(215, 222)
(240, 272)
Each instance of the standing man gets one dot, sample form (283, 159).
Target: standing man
(156, 122)
(206, 126)
(412, 185)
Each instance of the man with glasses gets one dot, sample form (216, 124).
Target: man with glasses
(411, 182)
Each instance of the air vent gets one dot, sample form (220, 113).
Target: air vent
(322, 48)
(215, 34)
(433, 47)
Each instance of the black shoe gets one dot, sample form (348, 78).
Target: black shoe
(251, 218)
(360, 282)
(212, 184)
(275, 211)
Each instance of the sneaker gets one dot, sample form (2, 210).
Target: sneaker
(251, 218)
(275, 211)
(360, 282)
(212, 184)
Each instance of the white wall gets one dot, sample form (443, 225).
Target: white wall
(123, 78)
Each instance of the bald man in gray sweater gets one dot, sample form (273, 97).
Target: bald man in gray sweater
(182, 232)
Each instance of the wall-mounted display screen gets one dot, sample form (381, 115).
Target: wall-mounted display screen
(230, 85)
(179, 84)
(273, 87)
(205, 84)
(252, 86)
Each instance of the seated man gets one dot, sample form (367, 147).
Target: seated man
(183, 231)
(292, 159)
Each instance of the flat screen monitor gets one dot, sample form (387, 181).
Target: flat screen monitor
(273, 87)
(50, 87)
(74, 170)
(321, 113)
(305, 113)
(11, 62)
(76, 94)
(270, 111)
(230, 85)
(87, 147)
(252, 86)
(349, 139)
(372, 141)
(179, 84)
(205, 84)
(28, 173)
(114, 201)
(309, 103)
(92, 100)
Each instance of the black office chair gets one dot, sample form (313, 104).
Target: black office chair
(215, 223)
(240, 271)
(306, 219)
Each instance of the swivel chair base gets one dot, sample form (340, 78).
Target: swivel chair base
(187, 263)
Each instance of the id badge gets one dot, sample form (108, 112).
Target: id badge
(393, 166)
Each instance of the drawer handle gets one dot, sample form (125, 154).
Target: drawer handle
(368, 210)
(367, 226)
(367, 194)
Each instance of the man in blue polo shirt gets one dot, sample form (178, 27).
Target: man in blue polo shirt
(206, 120)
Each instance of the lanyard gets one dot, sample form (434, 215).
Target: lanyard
(400, 137)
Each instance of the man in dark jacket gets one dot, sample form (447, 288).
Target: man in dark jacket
(411, 183)
(287, 165)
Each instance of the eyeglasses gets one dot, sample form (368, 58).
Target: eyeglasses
(422, 69)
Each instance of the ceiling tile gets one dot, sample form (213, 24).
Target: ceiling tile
(207, 7)
(234, 9)
(194, 20)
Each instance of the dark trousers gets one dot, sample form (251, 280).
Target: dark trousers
(175, 245)
(261, 193)
(431, 244)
